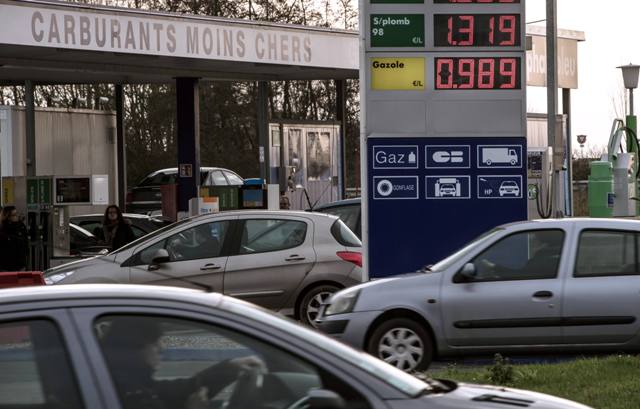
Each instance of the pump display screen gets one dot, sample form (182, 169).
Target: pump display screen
(477, 73)
(72, 190)
(476, 30)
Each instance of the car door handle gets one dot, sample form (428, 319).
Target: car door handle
(208, 267)
(294, 257)
(543, 294)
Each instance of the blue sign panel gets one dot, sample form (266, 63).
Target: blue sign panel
(500, 187)
(500, 156)
(423, 214)
(395, 187)
(448, 187)
(448, 156)
(395, 157)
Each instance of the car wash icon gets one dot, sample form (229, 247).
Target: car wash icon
(448, 187)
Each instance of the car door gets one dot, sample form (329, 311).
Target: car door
(602, 295)
(197, 253)
(238, 366)
(514, 295)
(272, 256)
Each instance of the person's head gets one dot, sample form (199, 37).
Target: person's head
(134, 340)
(9, 214)
(113, 215)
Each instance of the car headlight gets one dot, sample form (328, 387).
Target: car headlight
(342, 303)
(55, 278)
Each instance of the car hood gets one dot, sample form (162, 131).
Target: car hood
(495, 397)
(401, 290)
(85, 262)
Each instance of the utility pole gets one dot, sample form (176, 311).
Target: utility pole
(552, 107)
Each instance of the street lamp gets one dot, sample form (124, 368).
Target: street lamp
(630, 78)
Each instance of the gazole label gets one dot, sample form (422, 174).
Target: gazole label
(397, 74)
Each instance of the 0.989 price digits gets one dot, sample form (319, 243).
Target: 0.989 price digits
(477, 73)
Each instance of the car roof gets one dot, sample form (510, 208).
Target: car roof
(105, 291)
(592, 222)
(175, 170)
(127, 215)
(345, 202)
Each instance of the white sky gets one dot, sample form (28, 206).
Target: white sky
(612, 39)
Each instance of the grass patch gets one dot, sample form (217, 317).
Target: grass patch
(611, 382)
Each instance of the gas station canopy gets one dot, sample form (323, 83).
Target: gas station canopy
(51, 42)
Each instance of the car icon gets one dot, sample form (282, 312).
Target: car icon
(509, 187)
(448, 189)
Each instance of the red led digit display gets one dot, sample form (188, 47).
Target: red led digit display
(476, 30)
(475, 1)
(477, 73)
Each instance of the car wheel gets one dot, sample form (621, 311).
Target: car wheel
(311, 302)
(403, 343)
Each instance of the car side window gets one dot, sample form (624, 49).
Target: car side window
(607, 253)
(168, 362)
(528, 255)
(218, 178)
(197, 242)
(348, 214)
(35, 367)
(264, 235)
(233, 178)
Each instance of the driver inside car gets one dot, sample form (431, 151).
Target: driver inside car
(132, 351)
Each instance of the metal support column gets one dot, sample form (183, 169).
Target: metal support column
(263, 131)
(121, 148)
(30, 127)
(566, 109)
(552, 103)
(188, 123)
(341, 115)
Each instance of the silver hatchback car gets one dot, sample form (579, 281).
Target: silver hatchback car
(287, 261)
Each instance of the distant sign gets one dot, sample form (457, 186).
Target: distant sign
(72, 190)
(567, 63)
(186, 170)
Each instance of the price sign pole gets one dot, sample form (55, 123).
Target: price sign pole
(443, 126)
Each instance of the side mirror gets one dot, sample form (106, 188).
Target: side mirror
(159, 257)
(325, 399)
(468, 273)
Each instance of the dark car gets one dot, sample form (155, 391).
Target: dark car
(140, 347)
(348, 210)
(87, 236)
(146, 196)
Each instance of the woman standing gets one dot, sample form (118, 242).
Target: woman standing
(14, 241)
(117, 231)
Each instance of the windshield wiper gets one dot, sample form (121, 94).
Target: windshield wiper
(436, 385)
(426, 269)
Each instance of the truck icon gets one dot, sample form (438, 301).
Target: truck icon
(499, 156)
(447, 187)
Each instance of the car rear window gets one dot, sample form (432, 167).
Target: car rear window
(344, 235)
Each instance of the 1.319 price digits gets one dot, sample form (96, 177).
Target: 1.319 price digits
(477, 73)
(477, 30)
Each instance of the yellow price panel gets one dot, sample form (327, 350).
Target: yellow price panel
(397, 74)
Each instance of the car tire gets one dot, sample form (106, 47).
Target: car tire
(403, 343)
(310, 303)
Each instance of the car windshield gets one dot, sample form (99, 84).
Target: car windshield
(386, 373)
(445, 263)
(152, 235)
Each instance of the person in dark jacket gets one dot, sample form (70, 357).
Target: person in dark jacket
(14, 241)
(132, 351)
(115, 229)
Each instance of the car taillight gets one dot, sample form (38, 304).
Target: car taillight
(351, 256)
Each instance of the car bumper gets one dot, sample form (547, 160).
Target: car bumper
(349, 328)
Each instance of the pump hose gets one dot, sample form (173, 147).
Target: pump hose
(635, 140)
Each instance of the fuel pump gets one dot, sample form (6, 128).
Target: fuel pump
(613, 179)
